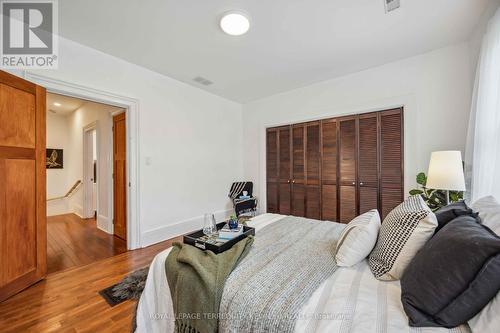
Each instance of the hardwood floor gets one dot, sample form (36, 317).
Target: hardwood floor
(72, 241)
(68, 301)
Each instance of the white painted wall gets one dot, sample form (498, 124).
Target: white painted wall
(192, 138)
(435, 89)
(57, 179)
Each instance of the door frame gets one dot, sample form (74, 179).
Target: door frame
(88, 169)
(131, 106)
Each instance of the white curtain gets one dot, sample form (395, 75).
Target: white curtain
(482, 158)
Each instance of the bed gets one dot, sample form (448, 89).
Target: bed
(350, 300)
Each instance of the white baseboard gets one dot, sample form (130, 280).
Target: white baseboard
(78, 210)
(105, 224)
(170, 231)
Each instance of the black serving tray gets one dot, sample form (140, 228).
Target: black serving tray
(194, 239)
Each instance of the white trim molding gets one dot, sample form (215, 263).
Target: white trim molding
(105, 224)
(170, 231)
(131, 106)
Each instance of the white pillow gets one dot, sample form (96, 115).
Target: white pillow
(489, 212)
(403, 233)
(488, 320)
(358, 239)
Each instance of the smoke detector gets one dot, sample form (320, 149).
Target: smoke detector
(202, 80)
(391, 5)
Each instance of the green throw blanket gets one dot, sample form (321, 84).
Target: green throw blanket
(196, 281)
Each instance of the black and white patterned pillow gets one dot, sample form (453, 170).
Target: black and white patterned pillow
(402, 234)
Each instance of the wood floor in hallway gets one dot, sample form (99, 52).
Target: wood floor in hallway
(73, 241)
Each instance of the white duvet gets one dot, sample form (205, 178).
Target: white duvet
(351, 300)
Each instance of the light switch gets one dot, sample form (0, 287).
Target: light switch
(148, 160)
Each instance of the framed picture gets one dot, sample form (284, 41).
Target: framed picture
(54, 158)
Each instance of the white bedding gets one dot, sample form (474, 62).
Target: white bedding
(351, 300)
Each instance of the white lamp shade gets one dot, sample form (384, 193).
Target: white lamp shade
(446, 171)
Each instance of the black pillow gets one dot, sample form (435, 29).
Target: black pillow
(453, 276)
(448, 213)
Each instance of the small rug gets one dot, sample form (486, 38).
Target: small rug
(130, 287)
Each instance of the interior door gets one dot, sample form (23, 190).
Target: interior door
(368, 162)
(119, 176)
(391, 160)
(313, 170)
(23, 229)
(284, 195)
(298, 170)
(347, 164)
(272, 170)
(329, 170)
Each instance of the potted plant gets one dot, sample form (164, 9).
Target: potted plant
(435, 199)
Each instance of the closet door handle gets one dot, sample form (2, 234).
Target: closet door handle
(288, 181)
(353, 183)
(361, 184)
(293, 181)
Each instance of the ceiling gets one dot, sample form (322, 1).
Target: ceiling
(68, 104)
(290, 44)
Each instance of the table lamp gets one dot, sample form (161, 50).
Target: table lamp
(446, 172)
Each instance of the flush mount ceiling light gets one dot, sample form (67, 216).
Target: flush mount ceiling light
(234, 23)
(57, 104)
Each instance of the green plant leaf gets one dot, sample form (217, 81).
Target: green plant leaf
(421, 179)
(415, 192)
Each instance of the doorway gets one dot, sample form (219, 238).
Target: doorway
(90, 168)
(81, 190)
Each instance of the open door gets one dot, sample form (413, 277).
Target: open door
(23, 229)
(119, 176)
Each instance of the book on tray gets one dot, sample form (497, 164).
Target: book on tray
(226, 233)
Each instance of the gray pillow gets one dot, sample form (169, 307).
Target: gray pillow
(449, 212)
(453, 276)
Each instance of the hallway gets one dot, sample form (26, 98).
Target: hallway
(72, 242)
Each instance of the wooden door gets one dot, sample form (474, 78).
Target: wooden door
(312, 170)
(329, 170)
(23, 228)
(272, 170)
(120, 176)
(347, 168)
(298, 170)
(284, 195)
(368, 166)
(391, 160)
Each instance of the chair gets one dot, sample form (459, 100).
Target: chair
(243, 205)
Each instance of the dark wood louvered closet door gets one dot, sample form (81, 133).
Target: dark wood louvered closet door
(329, 170)
(347, 170)
(298, 170)
(368, 162)
(336, 169)
(313, 171)
(391, 160)
(284, 195)
(272, 170)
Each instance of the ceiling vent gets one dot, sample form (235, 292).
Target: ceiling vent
(391, 5)
(202, 80)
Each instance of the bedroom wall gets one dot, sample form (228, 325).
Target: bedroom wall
(57, 179)
(435, 89)
(190, 138)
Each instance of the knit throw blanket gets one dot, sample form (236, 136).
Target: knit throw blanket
(196, 281)
(287, 263)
